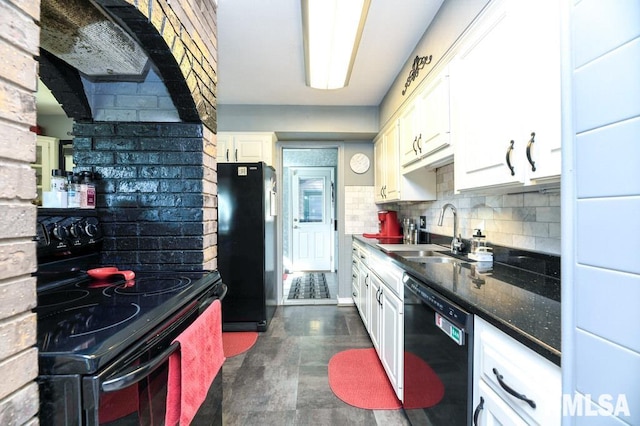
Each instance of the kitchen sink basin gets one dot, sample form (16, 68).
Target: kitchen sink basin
(425, 256)
(417, 253)
(431, 259)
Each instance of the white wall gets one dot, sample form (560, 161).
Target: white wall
(327, 121)
(601, 192)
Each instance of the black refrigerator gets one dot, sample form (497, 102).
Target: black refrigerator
(247, 244)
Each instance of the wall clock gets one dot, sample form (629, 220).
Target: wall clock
(359, 163)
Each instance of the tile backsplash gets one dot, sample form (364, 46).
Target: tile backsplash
(361, 212)
(529, 221)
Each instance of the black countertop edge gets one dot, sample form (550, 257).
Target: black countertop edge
(532, 342)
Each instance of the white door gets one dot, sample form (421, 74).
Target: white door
(312, 218)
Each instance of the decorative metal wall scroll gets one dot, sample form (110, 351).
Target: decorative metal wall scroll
(418, 63)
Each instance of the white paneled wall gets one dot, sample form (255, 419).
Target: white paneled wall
(601, 189)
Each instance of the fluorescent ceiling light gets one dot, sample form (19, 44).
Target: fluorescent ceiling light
(332, 31)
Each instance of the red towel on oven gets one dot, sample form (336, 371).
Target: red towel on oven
(193, 368)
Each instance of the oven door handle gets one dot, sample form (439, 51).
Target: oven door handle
(139, 372)
(218, 296)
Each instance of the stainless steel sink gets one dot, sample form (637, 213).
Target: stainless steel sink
(425, 256)
(417, 253)
(431, 259)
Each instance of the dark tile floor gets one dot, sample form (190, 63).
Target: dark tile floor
(283, 379)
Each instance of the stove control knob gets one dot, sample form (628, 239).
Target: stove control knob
(75, 230)
(91, 229)
(59, 232)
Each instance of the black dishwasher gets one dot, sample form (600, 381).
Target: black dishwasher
(438, 344)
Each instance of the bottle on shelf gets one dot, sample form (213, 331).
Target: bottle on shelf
(73, 193)
(88, 191)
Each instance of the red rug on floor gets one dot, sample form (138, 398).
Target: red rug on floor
(357, 377)
(237, 342)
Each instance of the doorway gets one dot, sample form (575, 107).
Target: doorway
(309, 198)
(313, 217)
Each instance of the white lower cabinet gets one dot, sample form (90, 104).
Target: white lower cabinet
(391, 349)
(381, 308)
(491, 410)
(375, 317)
(355, 281)
(365, 292)
(386, 331)
(514, 382)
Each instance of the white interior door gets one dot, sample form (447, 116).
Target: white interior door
(312, 218)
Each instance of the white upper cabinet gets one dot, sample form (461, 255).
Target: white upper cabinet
(505, 98)
(391, 185)
(247, 147)
(386, 165)
(425, 126)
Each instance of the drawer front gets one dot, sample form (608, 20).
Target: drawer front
(490, 409)
(388, 272)
(507, 364)
(392, 277)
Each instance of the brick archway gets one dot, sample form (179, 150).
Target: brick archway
(183, 62)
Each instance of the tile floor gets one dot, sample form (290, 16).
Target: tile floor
(283, 379)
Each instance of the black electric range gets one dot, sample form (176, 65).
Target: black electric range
(104, 344)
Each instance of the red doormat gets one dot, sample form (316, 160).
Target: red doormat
(357, 377)
(237, 342)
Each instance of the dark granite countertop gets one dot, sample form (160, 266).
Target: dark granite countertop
(522, 300)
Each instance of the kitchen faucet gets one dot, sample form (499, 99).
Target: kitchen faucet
(456, 243)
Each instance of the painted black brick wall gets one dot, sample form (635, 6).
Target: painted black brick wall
(150, 191)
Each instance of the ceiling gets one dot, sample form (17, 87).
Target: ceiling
(261, 56)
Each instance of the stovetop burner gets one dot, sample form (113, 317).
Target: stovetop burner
(82, 322)
(149, 286)
(64, 297)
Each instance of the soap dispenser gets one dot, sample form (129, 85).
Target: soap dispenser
(479, 250)
(477, 240)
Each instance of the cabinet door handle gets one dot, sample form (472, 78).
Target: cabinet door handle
(511, 391)
(366, 278)
(531, 141)
(509, 158)
(476, 412)
(414, 145)
(236, 153)
(419, 146)
(227, 154)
